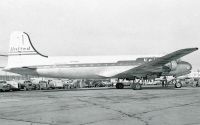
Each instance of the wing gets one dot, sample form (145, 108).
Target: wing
(156, 64)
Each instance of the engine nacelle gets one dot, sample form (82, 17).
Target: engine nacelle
(172, 65)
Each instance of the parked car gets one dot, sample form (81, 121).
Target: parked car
(55, 84)
(21, 84)
(108, 84)
(99, 84)
(4, 86)
(29, 85)
(189, 81)
(196, 82)
(68, 84)
(14, 85)
(43, 85)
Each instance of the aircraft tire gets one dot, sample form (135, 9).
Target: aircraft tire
(178, 85)
(136, 86)
(119, 85)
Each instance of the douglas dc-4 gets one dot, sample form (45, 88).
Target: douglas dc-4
(23, 58)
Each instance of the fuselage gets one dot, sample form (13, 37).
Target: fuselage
(90, 67)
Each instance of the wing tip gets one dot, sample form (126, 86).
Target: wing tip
(195, 48)
(191, 49)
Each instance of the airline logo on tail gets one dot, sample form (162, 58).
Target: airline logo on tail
(22, 52)
(19, 49)
(20, 43)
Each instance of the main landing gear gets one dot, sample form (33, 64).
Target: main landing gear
(119, 85)
(177, 84)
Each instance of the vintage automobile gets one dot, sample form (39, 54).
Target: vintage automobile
(43, 85)
(196, 82)
(4, 86)
(14, 85)
(53, 84)
(28, 85)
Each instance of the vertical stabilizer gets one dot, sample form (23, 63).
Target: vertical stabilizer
(22, 51)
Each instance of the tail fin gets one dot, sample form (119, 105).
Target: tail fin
(21, 50)
(20, 44)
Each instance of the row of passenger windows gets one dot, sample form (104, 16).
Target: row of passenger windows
(100, 64)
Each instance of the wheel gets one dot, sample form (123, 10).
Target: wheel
(136, 86)
(178, 85)
(119, 86)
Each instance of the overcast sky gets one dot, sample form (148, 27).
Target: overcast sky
(104, 27)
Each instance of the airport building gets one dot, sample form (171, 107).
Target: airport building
(12, 76)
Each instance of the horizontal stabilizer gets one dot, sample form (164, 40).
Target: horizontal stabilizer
(3, 55)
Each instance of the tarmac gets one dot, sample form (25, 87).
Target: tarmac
(102, 106)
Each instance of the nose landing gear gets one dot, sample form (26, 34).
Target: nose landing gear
(177, 84)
